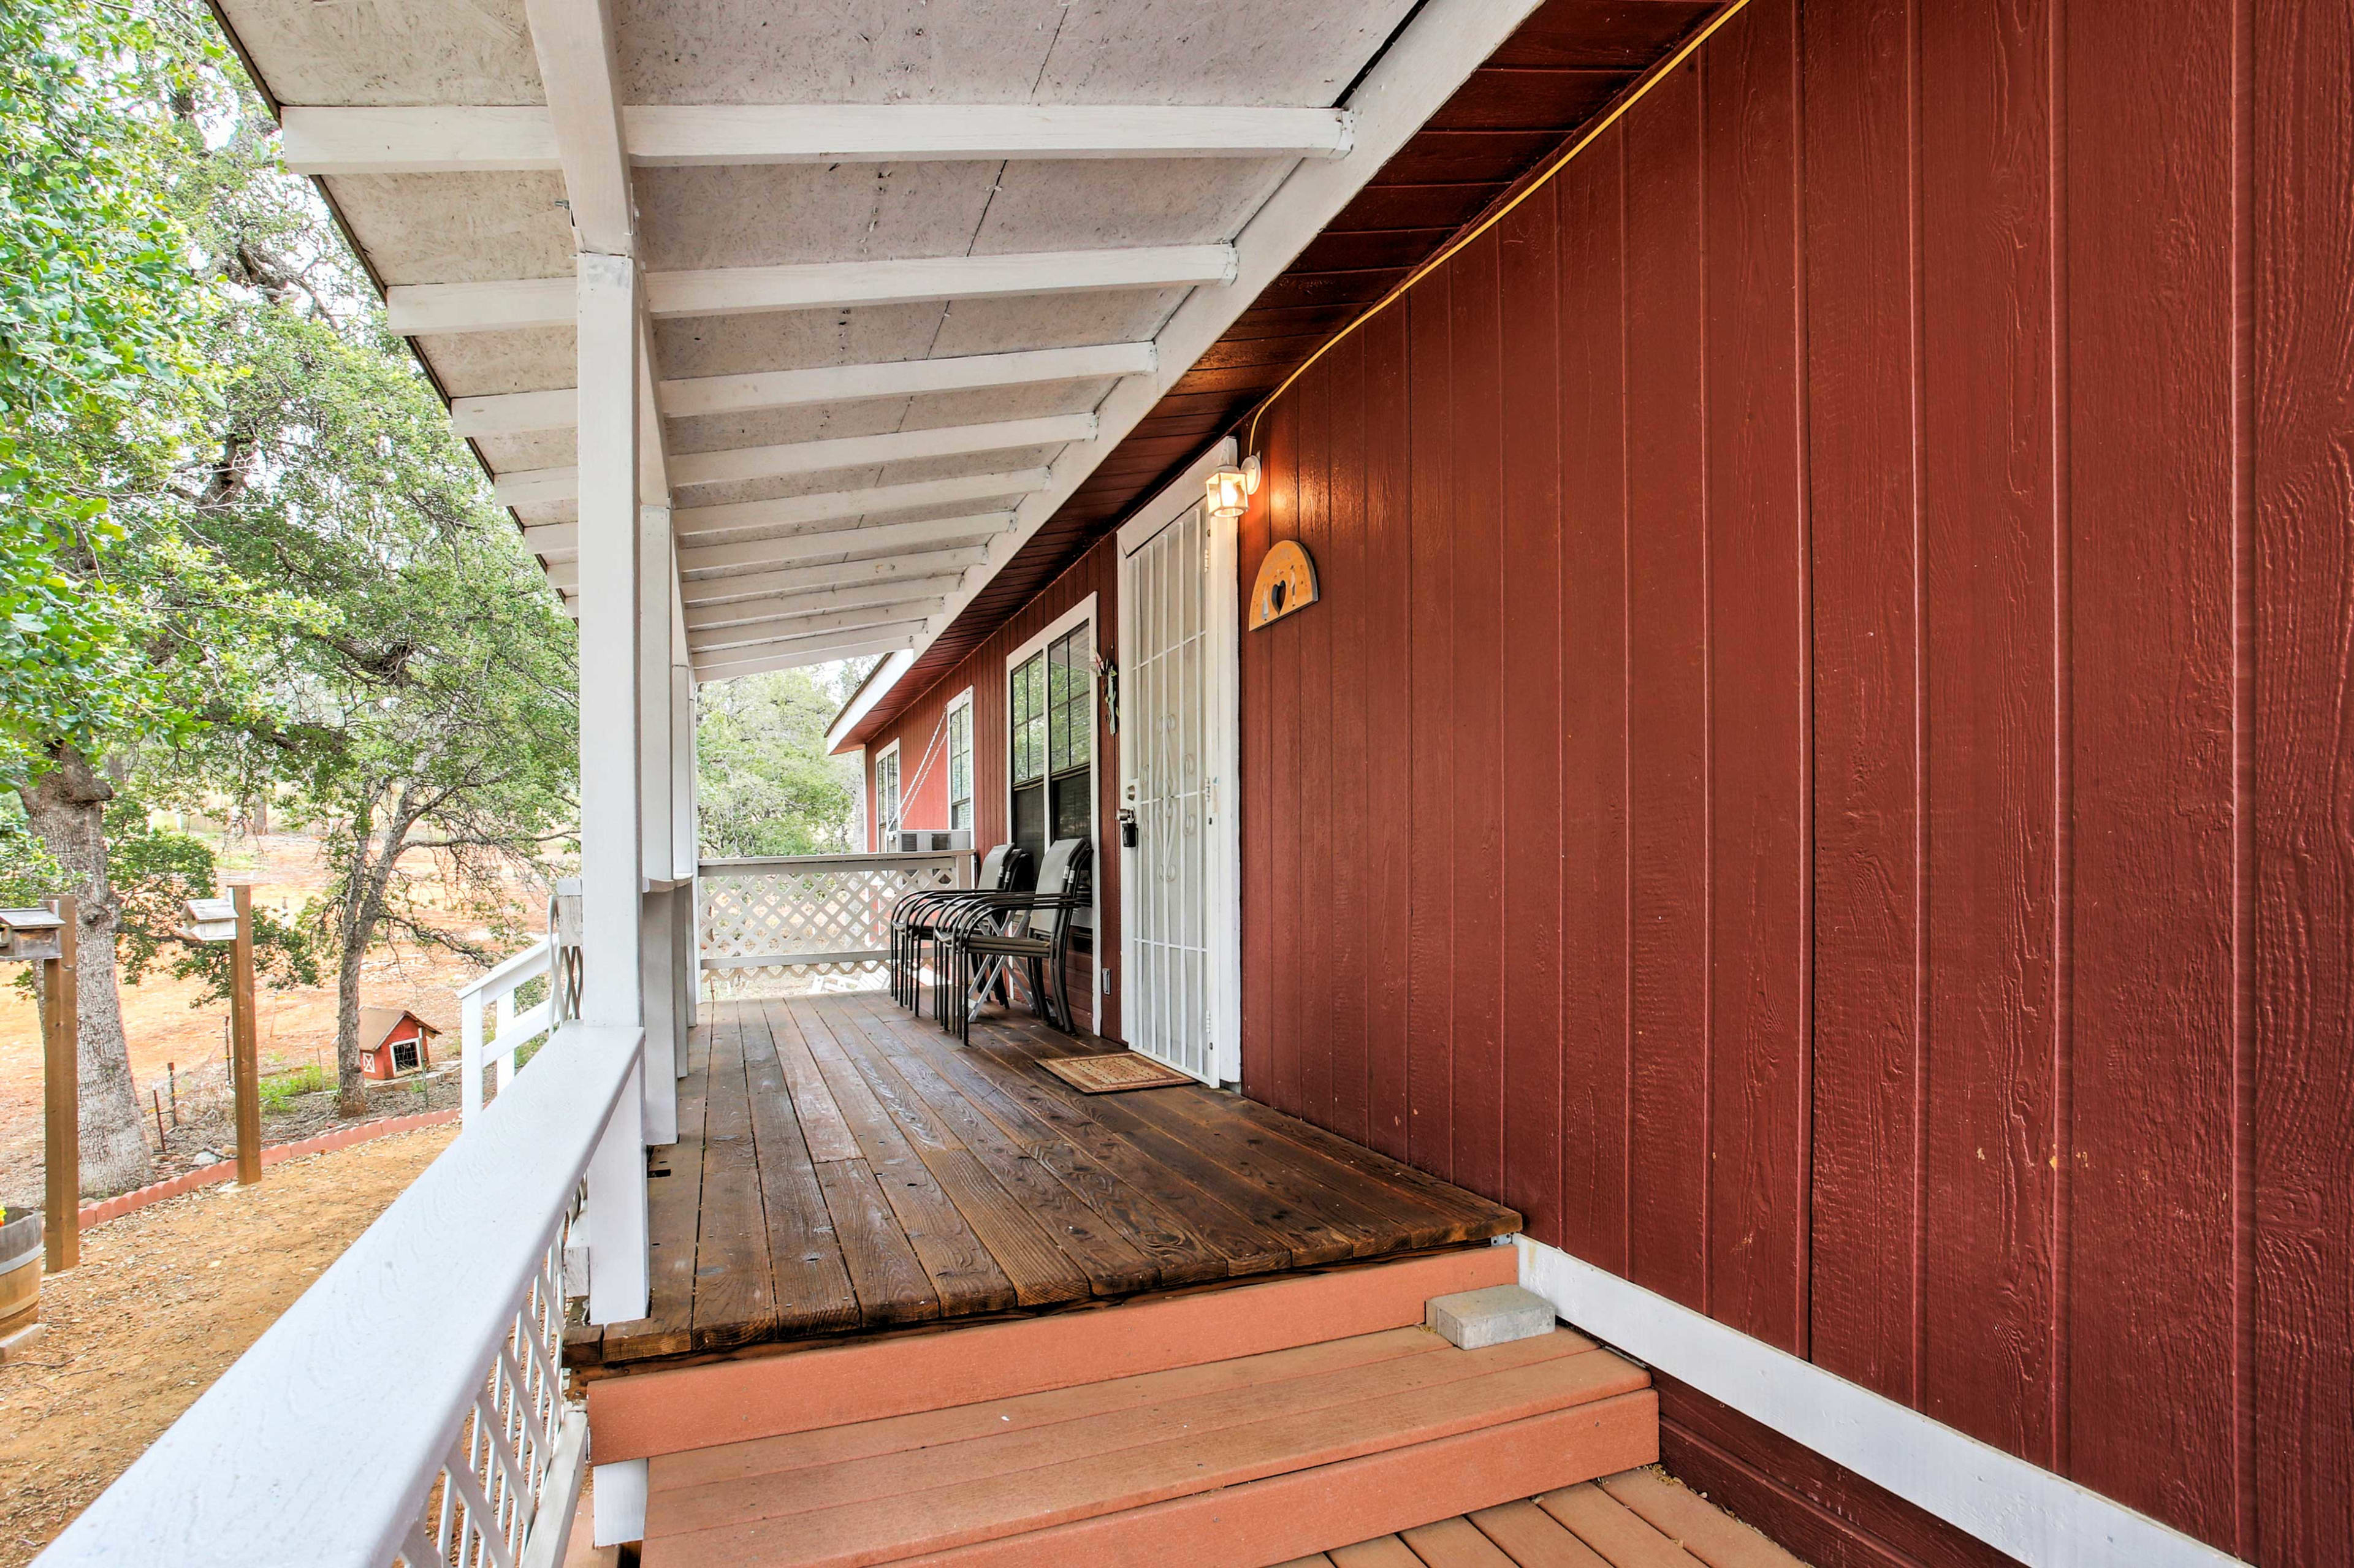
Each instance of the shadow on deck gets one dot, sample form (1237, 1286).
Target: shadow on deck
(843, 1166)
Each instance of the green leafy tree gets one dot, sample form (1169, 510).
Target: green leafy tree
(155, 873)
(418, 709)
(100, 387)
(253, 557)
(764, 784)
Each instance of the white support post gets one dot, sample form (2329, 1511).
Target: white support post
(617, 1501)
(618, 1234)
(610, 859)
(470, 1057)
(501, 1017)
(657, 630)
(685, 849)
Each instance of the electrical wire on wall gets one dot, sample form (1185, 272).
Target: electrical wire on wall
(1568, 155)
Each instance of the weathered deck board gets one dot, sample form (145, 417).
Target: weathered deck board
(844, 1165)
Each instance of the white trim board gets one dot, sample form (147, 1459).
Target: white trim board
(862, 702)
(1083, 612)
(2043, 1520)
(972, 753)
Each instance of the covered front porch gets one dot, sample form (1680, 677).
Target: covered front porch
(843, 1166)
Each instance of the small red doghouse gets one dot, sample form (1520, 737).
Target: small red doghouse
(394, 1041)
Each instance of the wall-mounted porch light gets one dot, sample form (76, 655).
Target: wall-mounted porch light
(1230, 488)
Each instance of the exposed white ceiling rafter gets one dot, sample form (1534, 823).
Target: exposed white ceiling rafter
(797, 657)
(517, 413)
(457, 139)
(504, 306)
(526, 486)
(817, 602)
(829, 627)
(746, 519)
(929, 533)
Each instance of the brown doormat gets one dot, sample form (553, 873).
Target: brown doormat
(1113, 1074)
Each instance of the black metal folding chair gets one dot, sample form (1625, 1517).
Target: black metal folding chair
(987, 940)
(1006, 868)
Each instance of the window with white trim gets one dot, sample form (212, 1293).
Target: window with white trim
(886, 795)
(1051, 701)
(961, 760)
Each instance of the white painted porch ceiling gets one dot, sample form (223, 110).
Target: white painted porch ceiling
(468, 224)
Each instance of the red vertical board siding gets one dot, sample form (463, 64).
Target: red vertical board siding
(1347, 1067)
(1528, 587)
(1257, 726)
(1291, 1017)
(1430, 1063)
(1295, 1008)
(1311, 635)
(1828, 732)
(1595, 1022)
(1477, 709)
(1862, 373)
(2147, 204)
(1383, 851)
(1758, 681)
(2295, 78)
(1991, 556)
(1668, 696)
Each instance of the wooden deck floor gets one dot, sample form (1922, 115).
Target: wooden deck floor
(1637, 1520)
(843, 1166)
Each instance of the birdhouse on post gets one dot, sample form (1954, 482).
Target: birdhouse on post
(210, 920)
(46, 937)
(31, 934)
(230, 920)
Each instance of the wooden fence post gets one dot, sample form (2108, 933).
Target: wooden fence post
(245, 1067)
(61, 1095)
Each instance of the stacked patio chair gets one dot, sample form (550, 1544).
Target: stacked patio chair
(915, 919)
(989, 938)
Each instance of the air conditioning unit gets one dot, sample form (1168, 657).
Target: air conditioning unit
(926, 841)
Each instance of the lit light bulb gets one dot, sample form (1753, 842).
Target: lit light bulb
(1229, 493)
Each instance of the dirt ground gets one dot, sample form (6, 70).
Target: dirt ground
(164, 1300)
(296, 1027)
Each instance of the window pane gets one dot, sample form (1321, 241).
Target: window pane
(1030, 819)
(1076, 756)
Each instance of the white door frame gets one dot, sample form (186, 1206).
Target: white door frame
(1082, 612)
(1221, 776)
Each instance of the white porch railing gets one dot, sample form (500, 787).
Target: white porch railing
(489, 1000)
(810, 912)
(312, 1450)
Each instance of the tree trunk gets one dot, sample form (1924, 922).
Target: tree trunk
(351, 1078)
(66, 807)
(364, 884)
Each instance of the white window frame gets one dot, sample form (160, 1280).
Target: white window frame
(887, 821)
(972, 785)
(1080, 614)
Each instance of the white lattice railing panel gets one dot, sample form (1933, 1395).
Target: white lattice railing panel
(483, 1506)
(461, 1450)
(827, 913)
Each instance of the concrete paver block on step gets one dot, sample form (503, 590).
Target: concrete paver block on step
(1474, 1320)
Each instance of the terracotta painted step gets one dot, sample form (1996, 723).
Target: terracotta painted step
(1273, 1520)
(640, 1414)
(1263, 1387)
(1057, 1488)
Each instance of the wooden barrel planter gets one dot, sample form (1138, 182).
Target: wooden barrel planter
(21, 1282)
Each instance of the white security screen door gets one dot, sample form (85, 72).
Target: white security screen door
(1163, 751)
(1181, 925)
